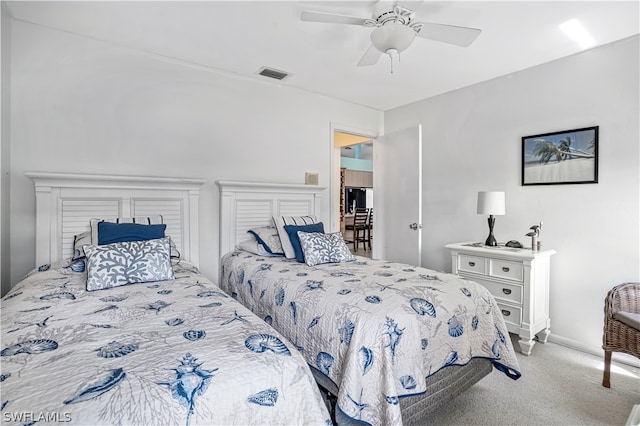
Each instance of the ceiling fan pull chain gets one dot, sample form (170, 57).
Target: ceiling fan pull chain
(393, 53)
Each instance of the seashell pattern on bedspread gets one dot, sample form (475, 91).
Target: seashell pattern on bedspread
(147, 353)
(377, 329)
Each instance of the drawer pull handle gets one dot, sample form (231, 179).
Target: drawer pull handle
(506, 313)
(472, 263)
(506, 290)
(505, 269)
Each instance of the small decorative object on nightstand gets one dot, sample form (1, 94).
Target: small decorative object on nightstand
(519, 281)
(535, 236)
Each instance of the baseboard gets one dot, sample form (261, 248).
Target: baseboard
(594, 350)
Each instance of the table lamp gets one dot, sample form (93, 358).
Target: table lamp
(491, 203)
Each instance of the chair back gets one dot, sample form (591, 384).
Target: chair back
(360, 217)
(370, 222)
(621, 331)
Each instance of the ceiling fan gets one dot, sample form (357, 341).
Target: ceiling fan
(395, 30)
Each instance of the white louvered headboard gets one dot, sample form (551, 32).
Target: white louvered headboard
(66, 202)
(246, 205)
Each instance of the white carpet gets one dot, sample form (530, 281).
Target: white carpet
(559, 386)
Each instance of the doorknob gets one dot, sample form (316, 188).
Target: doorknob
(415, 226)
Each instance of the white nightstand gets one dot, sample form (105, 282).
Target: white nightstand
(519, 281)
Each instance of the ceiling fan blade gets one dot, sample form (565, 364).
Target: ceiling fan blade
(459, 36)
(330, 18)
(370, 57)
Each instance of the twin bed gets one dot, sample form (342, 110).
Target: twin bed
(390, 342)
(387, 343)
(177, 351)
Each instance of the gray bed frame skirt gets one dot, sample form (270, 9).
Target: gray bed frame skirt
(442, 386)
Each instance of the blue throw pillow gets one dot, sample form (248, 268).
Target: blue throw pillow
(292, 231)
(109, 233)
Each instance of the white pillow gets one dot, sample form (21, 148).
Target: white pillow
(268, 237)
(253, 246)
(79, 241)
(324, 248)
(281, 221)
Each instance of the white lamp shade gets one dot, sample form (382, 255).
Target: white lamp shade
(392, 36)
(491, 202)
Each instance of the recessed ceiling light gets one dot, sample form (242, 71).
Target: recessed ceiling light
(575, 31)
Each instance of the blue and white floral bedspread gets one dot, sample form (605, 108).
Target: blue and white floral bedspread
(377, 329)
(171, 352)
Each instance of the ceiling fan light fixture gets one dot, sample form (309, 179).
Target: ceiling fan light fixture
(392, 36)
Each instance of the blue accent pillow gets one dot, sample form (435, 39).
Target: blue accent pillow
(292, 231)
(109, 233)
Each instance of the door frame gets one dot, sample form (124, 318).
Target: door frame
(334, 161)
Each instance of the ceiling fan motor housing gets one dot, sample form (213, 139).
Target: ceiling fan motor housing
(385, 11)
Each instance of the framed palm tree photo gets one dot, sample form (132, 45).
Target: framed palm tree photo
(566, 157)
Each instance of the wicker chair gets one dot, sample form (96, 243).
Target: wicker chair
(620, 307)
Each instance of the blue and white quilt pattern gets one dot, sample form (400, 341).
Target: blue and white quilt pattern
(170, 352)
(377, 329)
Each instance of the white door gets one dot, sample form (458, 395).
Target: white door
(397, 206)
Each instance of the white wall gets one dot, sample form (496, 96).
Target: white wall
(81, 105)
(5, 118)
(472, 142)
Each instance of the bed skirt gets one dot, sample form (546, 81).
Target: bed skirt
(441, 388)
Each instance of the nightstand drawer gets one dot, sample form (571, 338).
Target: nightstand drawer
(475, 264)
(511, 314)
(506, 269)
(503, 291)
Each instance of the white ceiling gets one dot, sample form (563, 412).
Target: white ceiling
(240, 37)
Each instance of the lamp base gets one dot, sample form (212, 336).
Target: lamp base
(491, 240)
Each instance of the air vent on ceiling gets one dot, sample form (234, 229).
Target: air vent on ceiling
(273, 73)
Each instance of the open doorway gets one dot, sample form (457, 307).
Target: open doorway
(355, 193)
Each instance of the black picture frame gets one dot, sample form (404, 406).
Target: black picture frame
(560, 158)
